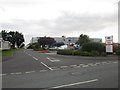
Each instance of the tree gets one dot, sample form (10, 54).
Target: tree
(4, 35)
(83, 39)
(11, 38)
(15, 38)
(19, 39)
(46, 41)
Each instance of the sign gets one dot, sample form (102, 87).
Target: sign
(109, 44)
(109, 48)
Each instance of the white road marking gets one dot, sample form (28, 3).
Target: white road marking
(90, 63)
(81, 64)
(16, 73)
(115, 62)
(29, 54)
(43, 70)
(77, 67)
(30, 72)
(46, 66)
(55, 68)
(89, 81)
(35, 58)
(104, 62)
(63, 66)
(85, 65)
(3, 74)
(55, 60)
(97, 63)
(73, 65)
(52, 60)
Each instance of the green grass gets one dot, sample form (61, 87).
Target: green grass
(8, 52)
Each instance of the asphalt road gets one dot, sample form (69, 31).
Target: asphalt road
(31, 69)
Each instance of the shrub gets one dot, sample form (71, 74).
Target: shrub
(103, 54)
(76, 52)
(92, 47)
(118, 50)
(38, 49)
(85, 53)
(94, 53)
(65, 52)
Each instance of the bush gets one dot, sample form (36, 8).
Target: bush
(103, 54)
(118, 50)
(38, 49)
(65, 52)
(85, 53)
(93, 47)
(94, 53)
(76, 52)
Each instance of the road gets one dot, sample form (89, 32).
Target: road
(31, 69)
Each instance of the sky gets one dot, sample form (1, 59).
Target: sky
(54, 18)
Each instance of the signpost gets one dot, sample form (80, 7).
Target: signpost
(109, 44)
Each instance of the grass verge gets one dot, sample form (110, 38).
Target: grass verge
(8, 52)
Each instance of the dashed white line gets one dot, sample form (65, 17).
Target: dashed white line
(89, 81)
(30, 72)
(63, 66)
(73, 65)
(55, 68)
(104, 62)
(115, 62)
(46, 66)
(85, 66)
(3, 74)
(43, 70)
(81, 64)
(16, 73)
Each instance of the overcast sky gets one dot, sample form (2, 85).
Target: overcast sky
(96, 18)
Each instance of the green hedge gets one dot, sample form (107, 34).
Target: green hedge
(93, 47)
(80, 53)
(117, 50)
(65, 52)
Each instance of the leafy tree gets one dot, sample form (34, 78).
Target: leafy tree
(19, 39)
(15, 38)
(83, 39)
(46, 41)
(11, 38)
(4, 34)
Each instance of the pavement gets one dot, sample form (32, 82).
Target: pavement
(31, 69)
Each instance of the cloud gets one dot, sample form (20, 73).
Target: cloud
(66, 24)
(18, 2)
(70, 22)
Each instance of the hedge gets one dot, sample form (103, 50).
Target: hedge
(93, 47)
(80, 53)
(117, 50)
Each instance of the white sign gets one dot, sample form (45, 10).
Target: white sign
(109, 48)
(109, 44)
(109, 40)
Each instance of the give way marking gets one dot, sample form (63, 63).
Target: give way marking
(52, 60)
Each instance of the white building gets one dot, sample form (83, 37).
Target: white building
(67, 40)
(4, 45)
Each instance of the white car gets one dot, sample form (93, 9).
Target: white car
(63, 47)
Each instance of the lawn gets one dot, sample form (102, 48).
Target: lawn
(8, 52)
